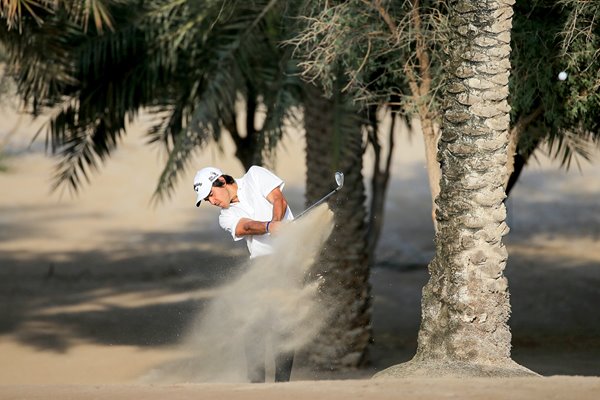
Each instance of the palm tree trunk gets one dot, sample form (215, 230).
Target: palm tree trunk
(380, 179)
(465, 304)
(519, 162)
(344, 262)
(248, 148)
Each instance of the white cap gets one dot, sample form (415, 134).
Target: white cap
(203, 182)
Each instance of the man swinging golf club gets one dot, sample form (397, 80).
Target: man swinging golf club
(252, 207)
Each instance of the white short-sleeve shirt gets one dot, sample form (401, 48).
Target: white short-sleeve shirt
(253, 189)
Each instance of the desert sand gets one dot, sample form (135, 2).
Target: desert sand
(98, 289)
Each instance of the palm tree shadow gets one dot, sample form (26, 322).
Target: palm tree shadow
(136, 298)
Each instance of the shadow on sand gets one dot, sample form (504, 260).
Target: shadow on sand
(111, 298)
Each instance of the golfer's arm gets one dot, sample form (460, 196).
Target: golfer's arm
(248, 226)
(279, 204)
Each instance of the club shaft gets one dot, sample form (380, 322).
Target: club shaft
(317, 203)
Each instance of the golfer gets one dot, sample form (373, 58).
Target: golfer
(252, 208)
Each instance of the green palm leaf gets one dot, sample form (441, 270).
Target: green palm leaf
(189, 61)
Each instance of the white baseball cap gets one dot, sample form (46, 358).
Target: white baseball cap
(203, 182)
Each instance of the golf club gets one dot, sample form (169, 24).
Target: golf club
(339, 179)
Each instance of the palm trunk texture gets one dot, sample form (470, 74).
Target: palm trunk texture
(465, 305)
(344, 261)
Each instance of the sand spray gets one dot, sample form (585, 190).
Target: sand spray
(273, 302)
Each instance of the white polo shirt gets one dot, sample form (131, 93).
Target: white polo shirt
(253, 189)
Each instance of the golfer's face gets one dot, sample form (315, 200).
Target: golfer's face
(219, 196)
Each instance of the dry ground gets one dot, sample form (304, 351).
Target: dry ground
(410, 389)
(98, 289)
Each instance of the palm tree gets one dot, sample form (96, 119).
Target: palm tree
(465, 304)
(334, 140)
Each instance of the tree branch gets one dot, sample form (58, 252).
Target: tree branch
(422, 54)
(376, 4)
(524, 122)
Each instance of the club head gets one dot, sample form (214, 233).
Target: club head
(339, 179)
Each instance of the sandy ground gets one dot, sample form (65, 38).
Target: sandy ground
(411, 389)
(98, 289)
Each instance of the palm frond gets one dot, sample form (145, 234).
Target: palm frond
(40, 62)
(572, 146)
(81, 149)
(16, 11)
(179, 157)
(192, 130)
(281, 104)
(82, 11)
